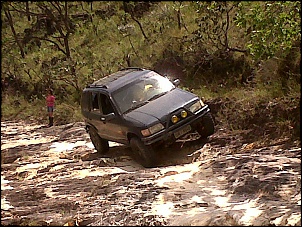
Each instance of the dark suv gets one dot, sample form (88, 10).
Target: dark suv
(140, 108)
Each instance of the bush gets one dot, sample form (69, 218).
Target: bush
(16, 107)
(67, 113)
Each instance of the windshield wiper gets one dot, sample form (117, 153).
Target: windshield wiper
(136, 106)
(157, 95)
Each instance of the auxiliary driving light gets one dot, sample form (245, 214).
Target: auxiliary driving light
(174, 119)
(183, 114)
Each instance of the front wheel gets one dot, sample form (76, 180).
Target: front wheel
(207, 126)
(144, 154)
(101, 145)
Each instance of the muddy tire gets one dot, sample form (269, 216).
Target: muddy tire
(206, 128)
(101, 145)
(145, 155)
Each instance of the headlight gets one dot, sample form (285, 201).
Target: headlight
(196, 106)
(153, 129)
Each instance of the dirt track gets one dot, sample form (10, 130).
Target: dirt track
(52, 176)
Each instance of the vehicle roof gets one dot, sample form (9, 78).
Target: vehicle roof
(118, 79)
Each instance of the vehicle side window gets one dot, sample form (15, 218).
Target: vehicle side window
(95, 101)
(106, 105)
(85, 102)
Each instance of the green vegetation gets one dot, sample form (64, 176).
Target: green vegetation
(245, 55)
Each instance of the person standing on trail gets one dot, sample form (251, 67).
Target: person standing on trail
(50, 101)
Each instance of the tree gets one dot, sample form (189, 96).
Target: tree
(214, 25)
(57, 14)
(11, 23)
(129, 8)
(271, 26)
(53, 28)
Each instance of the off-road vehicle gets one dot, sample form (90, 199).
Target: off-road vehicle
(143, 109)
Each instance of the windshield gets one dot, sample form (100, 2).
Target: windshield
(141, 91)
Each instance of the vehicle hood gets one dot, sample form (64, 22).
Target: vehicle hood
(160, 108)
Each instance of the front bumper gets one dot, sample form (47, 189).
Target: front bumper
(168, 133)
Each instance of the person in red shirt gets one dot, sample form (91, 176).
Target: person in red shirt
(50, 101)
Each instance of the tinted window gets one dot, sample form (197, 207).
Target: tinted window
(95, 101)
(85, 102)
(106, 106)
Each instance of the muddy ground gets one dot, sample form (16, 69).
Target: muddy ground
(53, 176)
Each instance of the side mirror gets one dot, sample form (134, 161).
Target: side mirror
(176, 82)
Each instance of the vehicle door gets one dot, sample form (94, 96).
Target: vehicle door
(110, 124)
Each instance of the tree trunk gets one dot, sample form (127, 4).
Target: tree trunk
(10, 20)
(140, 26)
(27, 11)
(179, 19)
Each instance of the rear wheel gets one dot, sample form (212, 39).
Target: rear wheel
(101, 145)
(207, 126)
(144, 154)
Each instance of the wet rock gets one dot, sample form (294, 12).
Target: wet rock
(54, 176)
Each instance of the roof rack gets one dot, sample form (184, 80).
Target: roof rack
(136, 68)
(103, 82)
(96, 85)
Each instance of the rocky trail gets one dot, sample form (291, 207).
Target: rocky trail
(54, 177)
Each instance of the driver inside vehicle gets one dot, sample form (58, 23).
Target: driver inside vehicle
(138, 94)
(142, 92)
